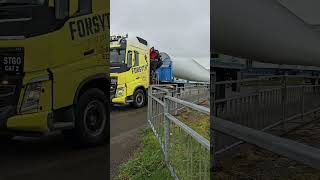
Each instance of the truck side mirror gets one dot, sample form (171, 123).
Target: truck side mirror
(62, 9)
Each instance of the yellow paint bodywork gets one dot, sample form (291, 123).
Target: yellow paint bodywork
(65, 58)
(35, 122)
(132, 80)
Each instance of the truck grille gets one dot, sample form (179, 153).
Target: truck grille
(9, 96)
(7, 90)
(2, 103)
(113, 86)
(6, 93)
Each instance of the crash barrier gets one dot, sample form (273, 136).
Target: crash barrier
(186, 152)
(259, 105)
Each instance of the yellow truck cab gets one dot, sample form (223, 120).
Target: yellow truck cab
(130, 70)
(54, 68)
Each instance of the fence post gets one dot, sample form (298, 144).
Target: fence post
(175, 104)
(198, 94)
(149, 103)
(166, 130)
(284, 100)
(315, 91)
(302, 103)
(212, 115)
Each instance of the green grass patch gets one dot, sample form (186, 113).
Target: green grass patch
(188, 157)
(147, 162)
(197, 121)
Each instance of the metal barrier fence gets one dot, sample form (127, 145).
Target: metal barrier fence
(186, 152)
(262, 104)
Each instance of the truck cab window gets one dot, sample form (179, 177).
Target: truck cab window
(129, 58)
(85, 7)
(136, 58)
(117, 56)
(62, 9)
(24, 2)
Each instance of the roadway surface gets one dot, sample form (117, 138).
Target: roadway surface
(125, 125)
(52, 158)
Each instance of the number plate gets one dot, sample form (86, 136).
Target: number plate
(11, 60)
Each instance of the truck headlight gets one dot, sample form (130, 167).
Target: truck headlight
(31, 97)
(120, 90)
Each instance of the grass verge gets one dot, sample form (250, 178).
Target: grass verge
(197, 121)
(188, 157)
(147, 162)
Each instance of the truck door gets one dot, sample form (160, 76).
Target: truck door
(141, 68)
(82, 29)
(131, 77)
(77, 46)
(136, 67)
(145, 74)
(81, 36)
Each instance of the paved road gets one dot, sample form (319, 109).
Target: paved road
(52, 158)
(125, 125)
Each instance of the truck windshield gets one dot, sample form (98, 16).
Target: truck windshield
(117, 56)
(21, 2)
(20, 17)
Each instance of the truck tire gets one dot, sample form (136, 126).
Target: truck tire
(91, 119)
(139, 98)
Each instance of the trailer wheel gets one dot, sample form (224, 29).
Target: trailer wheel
(91, 118)
(139, 98)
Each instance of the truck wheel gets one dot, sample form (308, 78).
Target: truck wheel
(91, 118)
(139, 98)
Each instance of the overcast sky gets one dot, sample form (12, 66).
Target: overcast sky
(179, 27)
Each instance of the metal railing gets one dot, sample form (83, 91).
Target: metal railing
(277, 103)
(186, 152)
